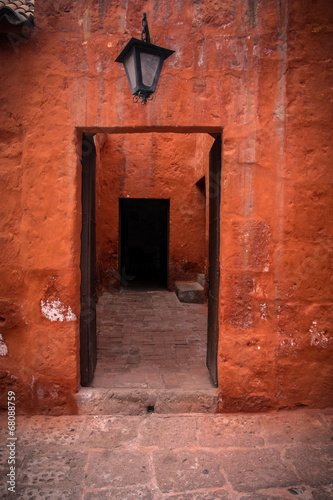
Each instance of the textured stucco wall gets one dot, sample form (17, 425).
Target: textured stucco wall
(262, 71)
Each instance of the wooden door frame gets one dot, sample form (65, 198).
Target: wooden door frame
(214, 206)
(215, 132)
(88, 336)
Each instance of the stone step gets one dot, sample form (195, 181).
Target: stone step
(100, 401)
(190, 292)
(201, 279)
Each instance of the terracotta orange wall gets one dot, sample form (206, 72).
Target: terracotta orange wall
(165, 166)
(259, 70)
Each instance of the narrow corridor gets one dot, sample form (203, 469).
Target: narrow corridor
(148, 339)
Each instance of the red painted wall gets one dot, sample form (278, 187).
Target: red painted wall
(165, 166)
(259, 70)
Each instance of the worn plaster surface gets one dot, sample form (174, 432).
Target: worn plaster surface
(259, 71)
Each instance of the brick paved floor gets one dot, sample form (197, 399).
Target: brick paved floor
(275, 456)
(148, 339)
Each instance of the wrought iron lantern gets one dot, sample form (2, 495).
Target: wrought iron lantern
(143, 63)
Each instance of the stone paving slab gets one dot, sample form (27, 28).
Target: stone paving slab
(262, 468)
(276, 456)
(100, 401)
(192, 293)
(149, 340)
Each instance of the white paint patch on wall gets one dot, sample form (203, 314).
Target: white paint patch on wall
(288, 342)
(55, 310)
(3, 347)
(288, 347)
(263, 311)
(318, 338)
(278, 311)
(259, 290)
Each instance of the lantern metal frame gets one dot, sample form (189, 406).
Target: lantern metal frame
(137, 47)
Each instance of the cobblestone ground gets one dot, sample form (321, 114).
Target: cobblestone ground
(175, 457)
(150, 340)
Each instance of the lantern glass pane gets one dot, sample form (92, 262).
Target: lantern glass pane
(129, 64)
(149, 66)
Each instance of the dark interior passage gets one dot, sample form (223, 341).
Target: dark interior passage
(144, 242)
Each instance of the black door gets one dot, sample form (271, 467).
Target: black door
(144, 242)
(214, 265)
(88, 351)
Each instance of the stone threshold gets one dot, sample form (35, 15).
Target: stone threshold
(102, 401)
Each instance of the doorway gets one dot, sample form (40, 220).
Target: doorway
(146, 261)
(144, 242)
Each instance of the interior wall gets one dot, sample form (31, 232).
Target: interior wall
(153, 166)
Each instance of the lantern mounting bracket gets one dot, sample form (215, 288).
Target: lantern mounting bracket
(145, 36)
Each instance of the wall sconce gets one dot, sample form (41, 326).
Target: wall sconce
(143, 63)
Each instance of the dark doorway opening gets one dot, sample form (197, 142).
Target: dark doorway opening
(157, 216)
(144, 242)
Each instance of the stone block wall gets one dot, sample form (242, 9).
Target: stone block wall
(261, 71)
